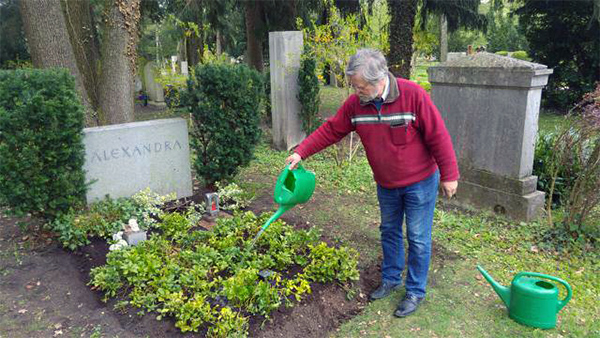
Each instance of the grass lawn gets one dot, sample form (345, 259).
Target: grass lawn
(459, 303)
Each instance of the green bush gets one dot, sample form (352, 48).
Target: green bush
(308, 93)
(213, 278)
(502, 52)
(224, 102)
(544, 165)
(41, 123)
(521, 55)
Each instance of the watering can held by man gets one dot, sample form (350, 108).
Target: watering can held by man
(531, 301)
(292, 187)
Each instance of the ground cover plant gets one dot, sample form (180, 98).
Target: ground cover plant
(215, 280)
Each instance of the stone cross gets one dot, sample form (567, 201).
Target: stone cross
(285, 49)
(490, 104)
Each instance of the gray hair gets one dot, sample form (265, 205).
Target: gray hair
(369, 63)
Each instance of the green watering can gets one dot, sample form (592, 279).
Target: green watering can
(531, 301)
(292, 187)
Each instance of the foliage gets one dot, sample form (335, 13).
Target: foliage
(521, 55)
(13, 48)
(106, 217)
(224, 102)
(460, 40)
(575, 60)
(502, 31)
(267, 117)
(211, 278)
(232, 197)
(580, 145)
(173, 83)
(41, 124)
(308, 92)
(549, 172)
(334, 42)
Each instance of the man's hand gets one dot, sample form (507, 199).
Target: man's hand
(449, 188)
(293, 160)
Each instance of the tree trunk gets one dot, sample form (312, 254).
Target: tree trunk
(443, 38)
(119, 61)
(403, 14)
(193, 54)
(253, 31)
(84, 39)
(218, 45)
(49, 43)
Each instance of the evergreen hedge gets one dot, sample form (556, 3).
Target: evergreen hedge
(41, 149)
(308, 92)
(224, 101)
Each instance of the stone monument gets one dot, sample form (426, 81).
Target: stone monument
(490, 104)
(122, 159)
(285, 49)
(154, 89)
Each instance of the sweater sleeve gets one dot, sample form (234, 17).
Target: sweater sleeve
(436, 137)
(330, 132)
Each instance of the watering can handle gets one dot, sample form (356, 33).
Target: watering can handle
(561, 303)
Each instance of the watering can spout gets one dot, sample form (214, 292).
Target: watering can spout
(276, 215)
(502, 291)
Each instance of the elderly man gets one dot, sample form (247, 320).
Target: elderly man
(406, 142)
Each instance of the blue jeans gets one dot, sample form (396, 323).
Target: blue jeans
(417, 202)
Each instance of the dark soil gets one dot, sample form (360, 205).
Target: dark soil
(44, 293)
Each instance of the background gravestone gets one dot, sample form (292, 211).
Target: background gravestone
(154, 89)
(126, 158)
(490, 104)
(285, 49)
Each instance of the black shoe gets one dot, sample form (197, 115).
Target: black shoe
(383, 290)
(408, 305)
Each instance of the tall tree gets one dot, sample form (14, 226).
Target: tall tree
(118, 66)
(254, 33)
(12, 39)
(61, 33)
(49, 43)
(403, 14)
(458, 13)
(564, 36)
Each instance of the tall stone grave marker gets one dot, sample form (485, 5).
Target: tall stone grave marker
(153, 88)
(285, 49)
(125, 158)
(490, 104)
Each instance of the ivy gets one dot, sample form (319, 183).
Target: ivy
(216, 278)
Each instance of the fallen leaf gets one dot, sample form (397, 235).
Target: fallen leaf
(478, 277)
(22, 311)
(58, 333)
(57, 326)
(580, 271)
(534, 248)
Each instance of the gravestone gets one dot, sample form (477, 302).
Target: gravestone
(154, 89)
(125, 158)
(285, 49)
(184, 68)
(490, 104)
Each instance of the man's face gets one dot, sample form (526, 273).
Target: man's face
(364, 89)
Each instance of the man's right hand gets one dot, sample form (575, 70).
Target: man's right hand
(293, 160)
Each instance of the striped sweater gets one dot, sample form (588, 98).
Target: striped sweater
(405, 141)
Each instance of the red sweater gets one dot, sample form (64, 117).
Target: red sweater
(405, 141)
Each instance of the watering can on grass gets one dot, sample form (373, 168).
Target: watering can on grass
(531, 301)
(292, 187)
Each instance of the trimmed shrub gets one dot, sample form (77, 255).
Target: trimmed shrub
(224, 101)
(502, 52)
(308, 93)
(41, 149)
(521, 55)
